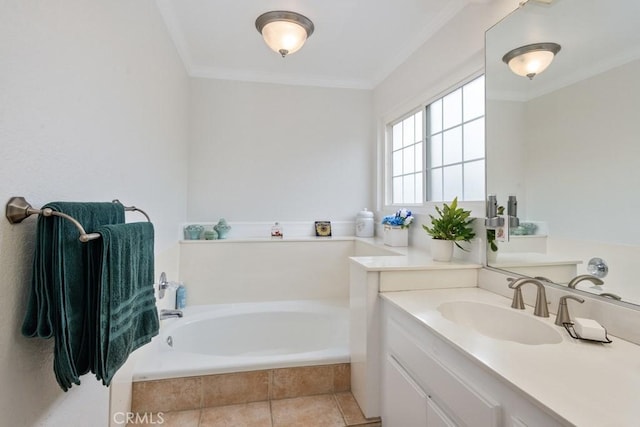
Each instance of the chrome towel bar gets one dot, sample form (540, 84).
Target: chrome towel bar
(18, 209)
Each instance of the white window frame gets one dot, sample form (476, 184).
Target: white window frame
(389, 159)
(425, 206)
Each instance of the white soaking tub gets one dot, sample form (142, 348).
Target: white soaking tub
(213, 339)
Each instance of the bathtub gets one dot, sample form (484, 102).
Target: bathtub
(214, 339)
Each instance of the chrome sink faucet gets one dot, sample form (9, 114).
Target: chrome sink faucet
(167, 314)
(574, 282)
(540, 308)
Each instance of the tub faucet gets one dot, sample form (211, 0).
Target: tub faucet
(167, 314)
(540, 308)
(574, 282)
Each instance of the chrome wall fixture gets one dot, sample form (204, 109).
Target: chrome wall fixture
(283, 31)
(532, 59)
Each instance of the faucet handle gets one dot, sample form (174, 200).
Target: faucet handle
(563, 300)
(563, 311)
(165, 284)
(518, 301)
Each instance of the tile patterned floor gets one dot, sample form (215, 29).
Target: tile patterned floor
(324, 410)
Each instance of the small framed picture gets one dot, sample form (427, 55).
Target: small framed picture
(323, 228)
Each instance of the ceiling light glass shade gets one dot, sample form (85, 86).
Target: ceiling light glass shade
(284, 32)
(284, 37)
(531, 60)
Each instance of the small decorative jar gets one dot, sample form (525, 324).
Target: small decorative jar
(222, 228)
(193, 231)
(364, 223)
(210, 234)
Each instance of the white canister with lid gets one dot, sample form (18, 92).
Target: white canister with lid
(364, 223)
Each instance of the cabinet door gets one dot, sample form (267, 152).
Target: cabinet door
(404, 404)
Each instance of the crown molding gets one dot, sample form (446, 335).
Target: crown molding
(277, 78)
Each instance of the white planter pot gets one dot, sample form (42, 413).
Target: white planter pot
(491, 256)
(441, 250)
(395, 236)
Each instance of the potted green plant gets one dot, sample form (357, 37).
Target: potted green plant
(452, 226)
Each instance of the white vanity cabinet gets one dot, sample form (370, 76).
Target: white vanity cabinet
(428, 382)
(406, 404)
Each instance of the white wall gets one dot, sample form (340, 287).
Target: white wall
(268, 152)
(505, 152)
(248, 271)
(582, 152)
(582, 172)
(93, 106)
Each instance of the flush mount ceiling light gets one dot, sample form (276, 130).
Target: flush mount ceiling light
(284, 32)
(532, 59)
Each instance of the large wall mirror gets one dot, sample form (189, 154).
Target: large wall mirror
(567, 143)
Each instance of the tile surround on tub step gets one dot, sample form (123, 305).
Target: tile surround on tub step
(176, 394)
(235, 388)
(180, 394)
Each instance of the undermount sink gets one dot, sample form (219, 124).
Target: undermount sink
(500, 323)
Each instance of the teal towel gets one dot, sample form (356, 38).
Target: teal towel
(127, 317)
(59, 304)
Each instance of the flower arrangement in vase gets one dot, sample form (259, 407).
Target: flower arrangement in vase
(396, 228)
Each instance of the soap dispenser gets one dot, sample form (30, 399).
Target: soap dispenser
(181, 297)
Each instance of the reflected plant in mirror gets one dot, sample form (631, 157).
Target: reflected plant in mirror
(491, 233)
(566, 141)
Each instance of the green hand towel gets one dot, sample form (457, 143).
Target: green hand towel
(59, 304)
(127, 317)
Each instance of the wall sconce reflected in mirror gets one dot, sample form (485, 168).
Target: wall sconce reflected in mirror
(532, 59)
(284, 32)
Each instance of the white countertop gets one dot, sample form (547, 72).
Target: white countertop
(409, 262)
(587, 384)
(405, 258)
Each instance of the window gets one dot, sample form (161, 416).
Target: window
(447, 137)
(406, 153)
